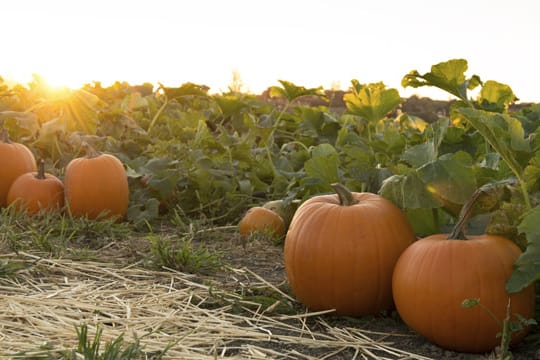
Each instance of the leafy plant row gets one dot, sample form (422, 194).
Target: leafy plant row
(194, 155)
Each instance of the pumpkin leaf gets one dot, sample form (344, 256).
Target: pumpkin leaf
(527, 266)
(503, 132)
(495, 96)
(408, 191)
(450, 178)
(291, 92)
(420, 154)
(448, 76)
(20, 123)
(371, 101)
(322, 168)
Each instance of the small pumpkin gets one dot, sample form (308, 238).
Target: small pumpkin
(96, 185)
(436, 274)
(340, 251)
(285, 209)
(260, 219)
(15, 160)
(35, 191)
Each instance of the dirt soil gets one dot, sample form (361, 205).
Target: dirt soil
(266, 260)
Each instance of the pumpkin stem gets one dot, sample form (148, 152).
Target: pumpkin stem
(4, 136)
(346, 198)
(41, 170)
(466, 212)
(89, 150)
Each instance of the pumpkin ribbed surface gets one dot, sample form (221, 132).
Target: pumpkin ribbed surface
(15, 160)
(260, 219)
(96, 184)
(436, 274)
(35, 191)
(342, 257)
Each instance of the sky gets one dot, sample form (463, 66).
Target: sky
(310, 43)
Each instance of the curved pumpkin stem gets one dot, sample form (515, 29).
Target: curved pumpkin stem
(4, 136)
(346, 198)
(41, 170)
(466, 212)
(89, 150)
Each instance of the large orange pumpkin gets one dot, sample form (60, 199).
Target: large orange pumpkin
(35, 191)
(96, 185)
(15, 160)
(340, 251)
(435, 275)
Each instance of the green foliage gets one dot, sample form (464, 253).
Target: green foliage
(371, 101)
(57, 234)
(89, 348)
(528, 264)
(182, 255)
(210, 157)
(505, 133)
(448, 76)
(291, 92)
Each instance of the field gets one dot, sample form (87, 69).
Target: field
(172, 277)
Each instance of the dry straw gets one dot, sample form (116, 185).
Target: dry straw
(196, 318)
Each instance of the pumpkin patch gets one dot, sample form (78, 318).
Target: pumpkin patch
(175, 209)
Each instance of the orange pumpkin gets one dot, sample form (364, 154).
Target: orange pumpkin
(340, 251)
(96, 185)
(15, 159)
(260, 219)
(436, 274)
(36, 191)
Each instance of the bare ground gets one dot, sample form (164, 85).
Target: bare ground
(244, 311)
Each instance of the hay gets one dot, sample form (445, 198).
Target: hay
(197, 319)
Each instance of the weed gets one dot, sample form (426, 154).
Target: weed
(508, 326)
(182, 255)
(54, 232)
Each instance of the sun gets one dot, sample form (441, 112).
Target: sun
(60, 80)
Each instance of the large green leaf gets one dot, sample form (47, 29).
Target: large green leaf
(527, 266)
(428, 151)
(503, 132)
(407, 191)
(496, 96)
(291, 92)
(371, 101)
(448, 76)
(322, 168)
(450, 178)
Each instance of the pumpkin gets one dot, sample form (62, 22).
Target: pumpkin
(340, 251)
(35, 191)
(96, 185)
(436, 274)
(15, 159)
(260, 219)
(285, 209)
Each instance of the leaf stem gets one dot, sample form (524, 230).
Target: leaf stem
(157, 115)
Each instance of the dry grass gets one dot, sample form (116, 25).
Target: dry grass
(196, 317)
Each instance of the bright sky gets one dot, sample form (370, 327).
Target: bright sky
(311, 43)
